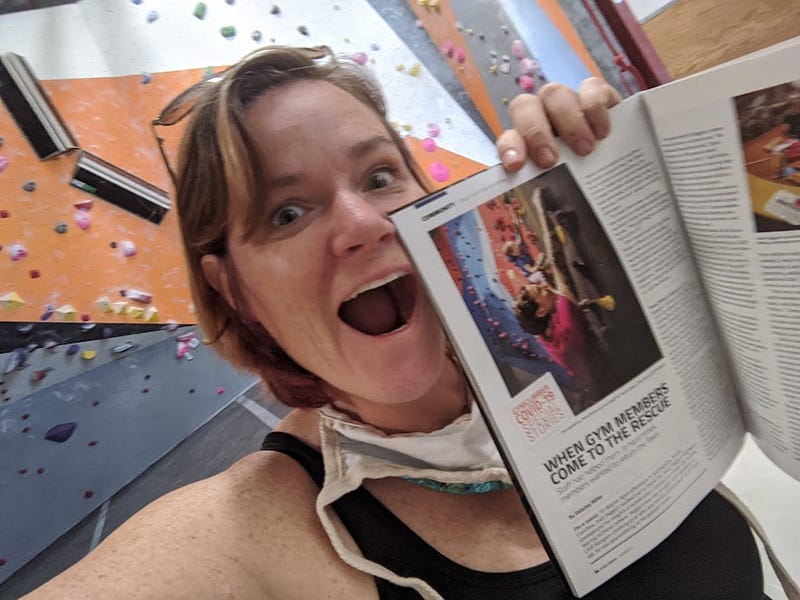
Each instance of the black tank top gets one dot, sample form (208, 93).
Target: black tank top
(711, 555)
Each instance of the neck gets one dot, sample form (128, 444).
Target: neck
(447, 400)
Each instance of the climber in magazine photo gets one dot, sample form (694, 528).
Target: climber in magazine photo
(569, 310)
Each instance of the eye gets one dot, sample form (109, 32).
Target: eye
(381, 178)
(286, 215)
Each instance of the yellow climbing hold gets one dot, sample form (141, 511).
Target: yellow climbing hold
(104, 304)
(67, 312)
(415, 69)
(134, 311)
(88, 354)
(151, 314)
(400, 67)
(118, 307)
(12, 300)
(407, 126)
(493, 69)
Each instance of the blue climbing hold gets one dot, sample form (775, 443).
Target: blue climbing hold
(61, 433)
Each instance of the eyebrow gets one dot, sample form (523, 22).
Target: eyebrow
(358, 150)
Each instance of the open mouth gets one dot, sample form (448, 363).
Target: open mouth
(381, 306)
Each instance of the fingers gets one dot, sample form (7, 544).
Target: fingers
(563, 106)
(596, 97)
(579, 118)
(532, 135)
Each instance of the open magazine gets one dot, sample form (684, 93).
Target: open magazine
(625, 318)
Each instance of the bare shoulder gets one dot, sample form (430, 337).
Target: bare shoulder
(251, 531)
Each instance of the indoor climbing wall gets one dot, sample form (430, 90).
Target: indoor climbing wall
(101, 369)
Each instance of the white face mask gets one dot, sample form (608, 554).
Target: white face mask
(462, 452)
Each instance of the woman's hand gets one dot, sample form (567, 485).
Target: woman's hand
(579, 118)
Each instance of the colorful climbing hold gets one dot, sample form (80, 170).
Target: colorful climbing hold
(3, 163)
(88, 354)
(275, 10)
(61, 433)
(4, 214)
(34, 274)
(67, 312)
(83, 220)
(527, 83)
(256, 36)
(415, 69)
(359, 58)
(16, 359)
(228, 32)
(137, 296)
(460, 56)
(60, 228)
(48, 312)
(220, 391)
(429, 145)
(375, 47)
(88, 494)
(434, 130)
(17, 252)
(12, 300)
(152, 16)
(40, 374)
(200, 10)
(439, 172)
(146, 77)
(447, 48)
(92, 443)
(73, 350)
(518, 49)
(302, 30)
(29, 186)
(128, 248)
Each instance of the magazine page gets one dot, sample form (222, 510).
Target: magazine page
(573, 302)
(730, 139)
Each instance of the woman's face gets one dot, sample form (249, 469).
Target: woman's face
(329, 279)
(543, 295)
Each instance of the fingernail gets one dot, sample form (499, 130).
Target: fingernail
(509, 157)
(545, 157)
(583, 147)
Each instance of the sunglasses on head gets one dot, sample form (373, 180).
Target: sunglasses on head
(184, 103)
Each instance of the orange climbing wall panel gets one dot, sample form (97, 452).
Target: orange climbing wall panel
(110, 117)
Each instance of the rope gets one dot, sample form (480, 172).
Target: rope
(619, 59)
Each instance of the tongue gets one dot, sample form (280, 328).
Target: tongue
(373, 312)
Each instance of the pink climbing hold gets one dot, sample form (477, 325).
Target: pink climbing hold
(460, 55)
(429, 144)
(83, 220)
(439, 172)
(3, 163)
(220, 391)
(527, 66)
(17, 252)
(359, 57)
(434, 130)
(527, 83)
(518, 49)
(447, 49)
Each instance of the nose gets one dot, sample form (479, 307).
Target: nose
(357, 223)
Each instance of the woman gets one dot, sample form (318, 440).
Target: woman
(287, 171)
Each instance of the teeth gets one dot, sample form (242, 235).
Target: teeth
(377, 283)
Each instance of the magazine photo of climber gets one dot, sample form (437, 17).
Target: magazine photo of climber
(769, 125)
(546, 290)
